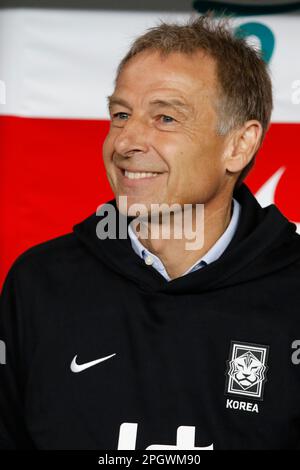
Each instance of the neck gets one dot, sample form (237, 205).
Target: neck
(206, 222)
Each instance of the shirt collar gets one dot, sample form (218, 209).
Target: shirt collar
(221, 244)
(212, 254)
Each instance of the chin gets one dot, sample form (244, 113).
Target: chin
(130, 206)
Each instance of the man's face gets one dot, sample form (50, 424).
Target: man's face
(163, 120)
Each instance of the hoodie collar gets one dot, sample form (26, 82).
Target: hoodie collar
(264, 242)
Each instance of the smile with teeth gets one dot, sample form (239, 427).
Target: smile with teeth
(138, 175)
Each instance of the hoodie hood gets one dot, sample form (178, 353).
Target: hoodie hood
(264, 242)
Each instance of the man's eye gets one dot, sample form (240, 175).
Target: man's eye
(121, 116)
(166, 119)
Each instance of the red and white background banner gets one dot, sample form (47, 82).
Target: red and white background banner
(57, 68)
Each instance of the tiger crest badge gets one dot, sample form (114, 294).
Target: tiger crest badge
(247, 369)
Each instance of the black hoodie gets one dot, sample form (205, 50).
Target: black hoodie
(207, 360)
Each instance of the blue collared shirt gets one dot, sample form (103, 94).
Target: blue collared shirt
(213, 253)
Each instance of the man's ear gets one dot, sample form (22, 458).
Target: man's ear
(242, 145)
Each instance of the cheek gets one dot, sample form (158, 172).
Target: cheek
(107, 149)
(189, 162)
(172, 147)
(206, 159)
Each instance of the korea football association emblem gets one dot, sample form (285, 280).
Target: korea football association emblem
(246, 370)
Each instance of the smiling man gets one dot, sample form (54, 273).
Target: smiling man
(164, 145)
(138, 342)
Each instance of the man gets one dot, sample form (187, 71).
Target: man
(141, 343)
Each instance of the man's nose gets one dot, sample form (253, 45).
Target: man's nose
(133, 138)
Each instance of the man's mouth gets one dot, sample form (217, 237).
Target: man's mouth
(139, 174)
(137, 179)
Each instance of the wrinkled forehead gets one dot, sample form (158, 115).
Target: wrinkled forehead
(189, 75)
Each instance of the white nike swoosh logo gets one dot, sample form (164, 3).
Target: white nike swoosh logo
(80, 367)
(266, 194)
